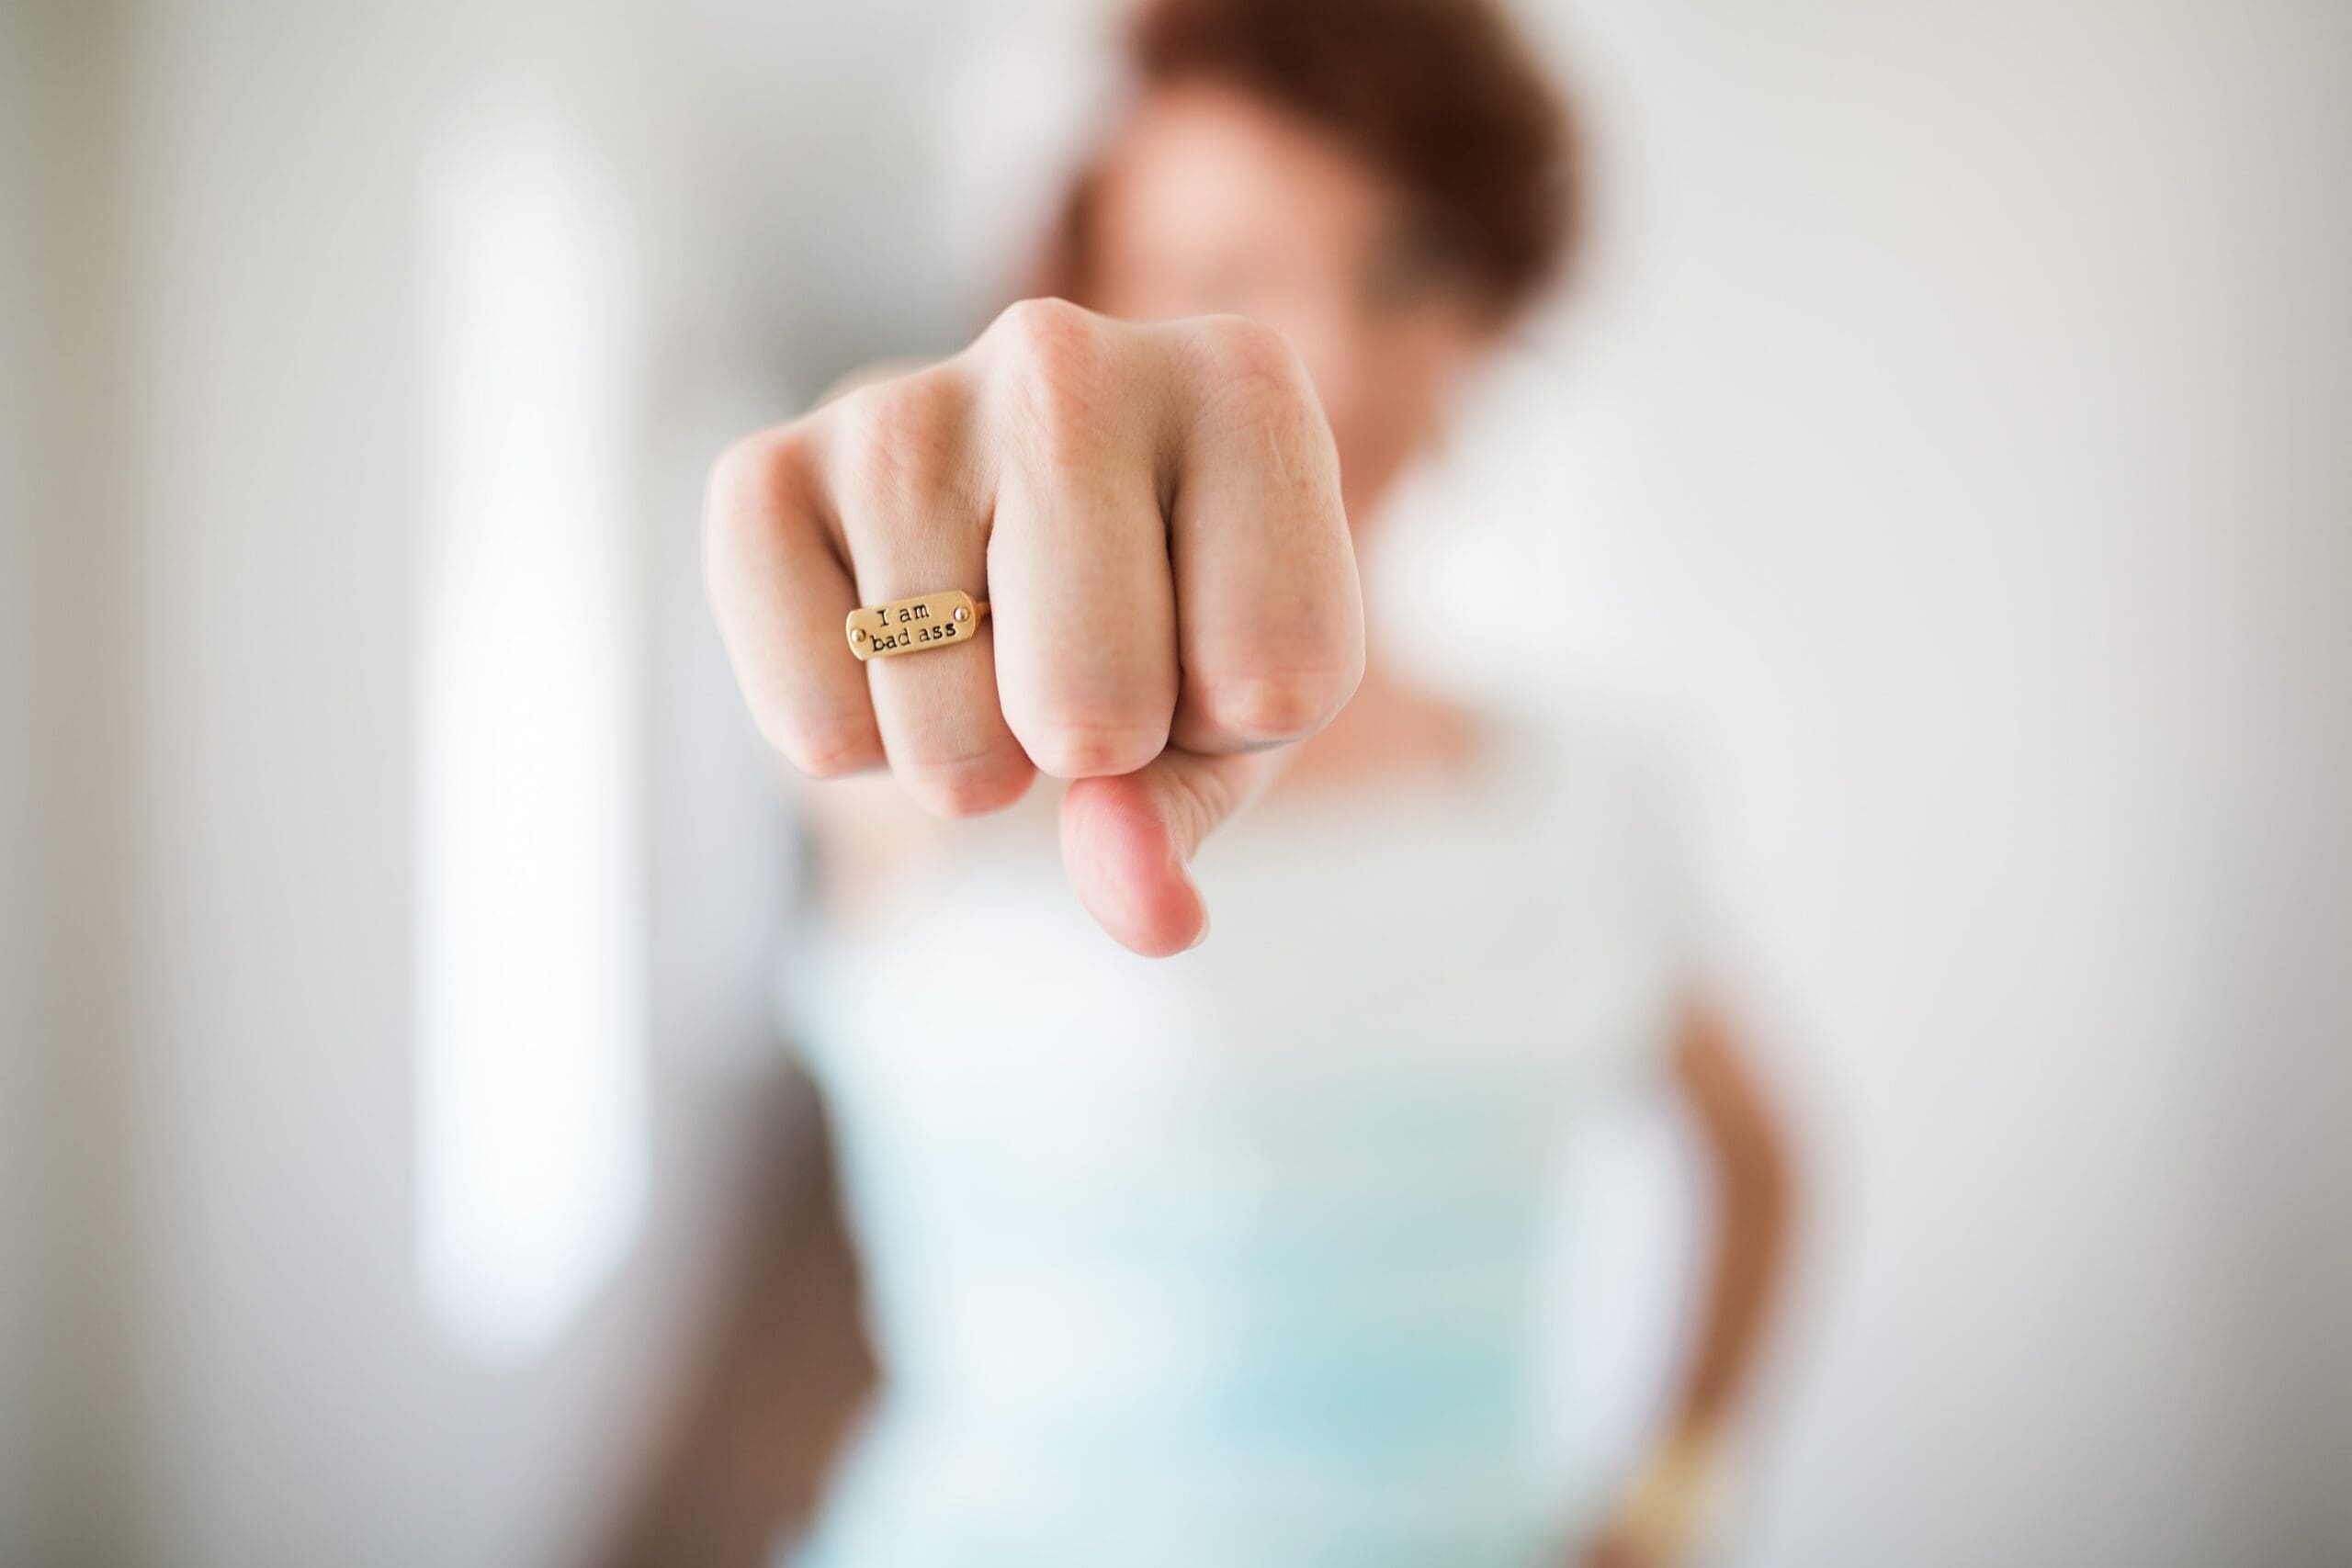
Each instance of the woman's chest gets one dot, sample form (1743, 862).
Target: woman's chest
(1359, 988)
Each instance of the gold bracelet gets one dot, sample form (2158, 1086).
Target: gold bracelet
(1677, 1501)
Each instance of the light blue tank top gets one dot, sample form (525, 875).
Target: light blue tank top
(1229, 1259)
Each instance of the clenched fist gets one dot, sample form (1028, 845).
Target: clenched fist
(1153, 514)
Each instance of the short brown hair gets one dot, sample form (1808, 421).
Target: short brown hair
(1443, 98)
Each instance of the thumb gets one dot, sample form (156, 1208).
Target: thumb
(1126, 842)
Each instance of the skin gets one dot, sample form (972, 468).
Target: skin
(1155, 510)
(1158, 495)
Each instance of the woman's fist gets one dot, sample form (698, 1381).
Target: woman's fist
(1153, 514)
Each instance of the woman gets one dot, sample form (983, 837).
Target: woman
(1227, 1257)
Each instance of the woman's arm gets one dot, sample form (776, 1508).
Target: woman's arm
(780, 1374)
(1747, 1149)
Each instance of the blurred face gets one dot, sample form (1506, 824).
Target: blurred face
(1213, 203)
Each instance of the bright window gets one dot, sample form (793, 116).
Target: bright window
(531, 1113)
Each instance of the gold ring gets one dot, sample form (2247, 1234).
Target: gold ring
(915, 626)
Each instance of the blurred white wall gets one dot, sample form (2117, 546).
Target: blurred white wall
(1952, 436)
(214, 252)
(19, 1089)
(64, 1077)
(1960, 438)
(1949, 435)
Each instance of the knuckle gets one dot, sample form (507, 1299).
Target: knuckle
(752, 487)
(1076, 747)
(753, 474)
(1052, 357)
(1253, 369)
(823, 750)
(909, 412)
(1268, 708)
(901, 443)
(963, 787)
(749, 465)
(1046, 332)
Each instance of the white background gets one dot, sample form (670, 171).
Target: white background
(1950, 437)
